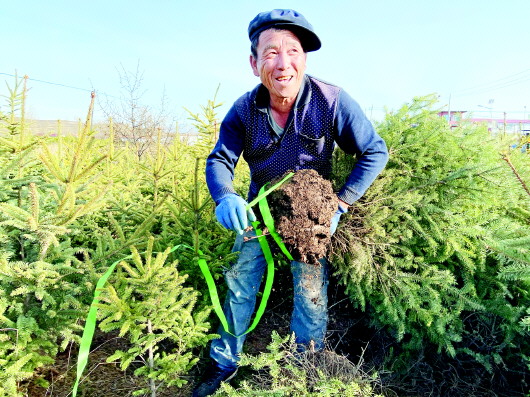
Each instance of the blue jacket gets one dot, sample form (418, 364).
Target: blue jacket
(322, 116)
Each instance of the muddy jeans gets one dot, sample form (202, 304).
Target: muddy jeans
(309, 317)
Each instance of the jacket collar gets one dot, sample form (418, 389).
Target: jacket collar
(262, 96)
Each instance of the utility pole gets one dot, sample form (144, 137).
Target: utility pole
(504, 134)
(449, 110)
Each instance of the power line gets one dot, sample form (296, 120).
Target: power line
(496, 84)
(496, 87)
(61, 85)
(495, 81)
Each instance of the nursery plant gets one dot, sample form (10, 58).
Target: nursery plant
(149, 303)
(283, 371)
(44, 279)
(438, 249)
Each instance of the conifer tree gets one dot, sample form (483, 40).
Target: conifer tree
(207, 125)
(423, 248)
(284, 371)
(43, 279)
(150, 304)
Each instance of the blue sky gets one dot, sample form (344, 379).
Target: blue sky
(382, 52)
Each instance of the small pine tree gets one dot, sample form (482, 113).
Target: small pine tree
(150, 303)
(207, 125)
(43, 279)
(284, 372)
(423, 249)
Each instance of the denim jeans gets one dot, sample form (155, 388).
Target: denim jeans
(309, 317)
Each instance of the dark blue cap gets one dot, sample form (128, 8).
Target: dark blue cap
(285, 19)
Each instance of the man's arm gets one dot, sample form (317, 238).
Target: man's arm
(221, 162)
(230, 209)
(355, 135)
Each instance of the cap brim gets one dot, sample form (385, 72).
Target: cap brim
(308, 39)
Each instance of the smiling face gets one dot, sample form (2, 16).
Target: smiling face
(280, 64)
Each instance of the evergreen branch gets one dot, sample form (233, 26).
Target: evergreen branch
(67, 200)
(506, 158)
(34, 196)
(52, 163)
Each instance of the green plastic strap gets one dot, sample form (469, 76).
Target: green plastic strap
(214, 296)
(212, 289)
(90, 323)
(264, 193)
(90, 326)
(268, 258)
(269, 222)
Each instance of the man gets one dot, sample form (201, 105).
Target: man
(290, 121)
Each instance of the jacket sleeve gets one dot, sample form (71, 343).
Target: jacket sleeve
(355, 135)
(221, 162)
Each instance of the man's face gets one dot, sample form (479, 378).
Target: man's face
(280, 63)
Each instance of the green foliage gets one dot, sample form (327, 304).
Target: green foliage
(437, 251)
(439, 236)
(12, 373)
(207, 125)
(150, 304)
(32, 225)
(43, 284)
(289, 373)
(39, 309)
(70, 206)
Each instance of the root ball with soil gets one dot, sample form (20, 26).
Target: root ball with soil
(302, 209)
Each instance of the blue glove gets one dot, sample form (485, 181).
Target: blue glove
(336, 218)
(231, 213)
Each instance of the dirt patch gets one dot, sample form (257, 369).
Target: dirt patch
(100, 378)
(302, 209)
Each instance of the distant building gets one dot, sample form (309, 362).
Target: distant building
(496, 125)
(453, 117)
(52, 127)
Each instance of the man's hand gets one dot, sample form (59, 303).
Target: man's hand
(231, 213)
(343, 208)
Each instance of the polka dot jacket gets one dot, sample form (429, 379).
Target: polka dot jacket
(322, 116)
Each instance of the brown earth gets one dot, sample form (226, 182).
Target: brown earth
(302, 209)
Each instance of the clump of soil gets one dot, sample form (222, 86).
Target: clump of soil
(302, 209)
